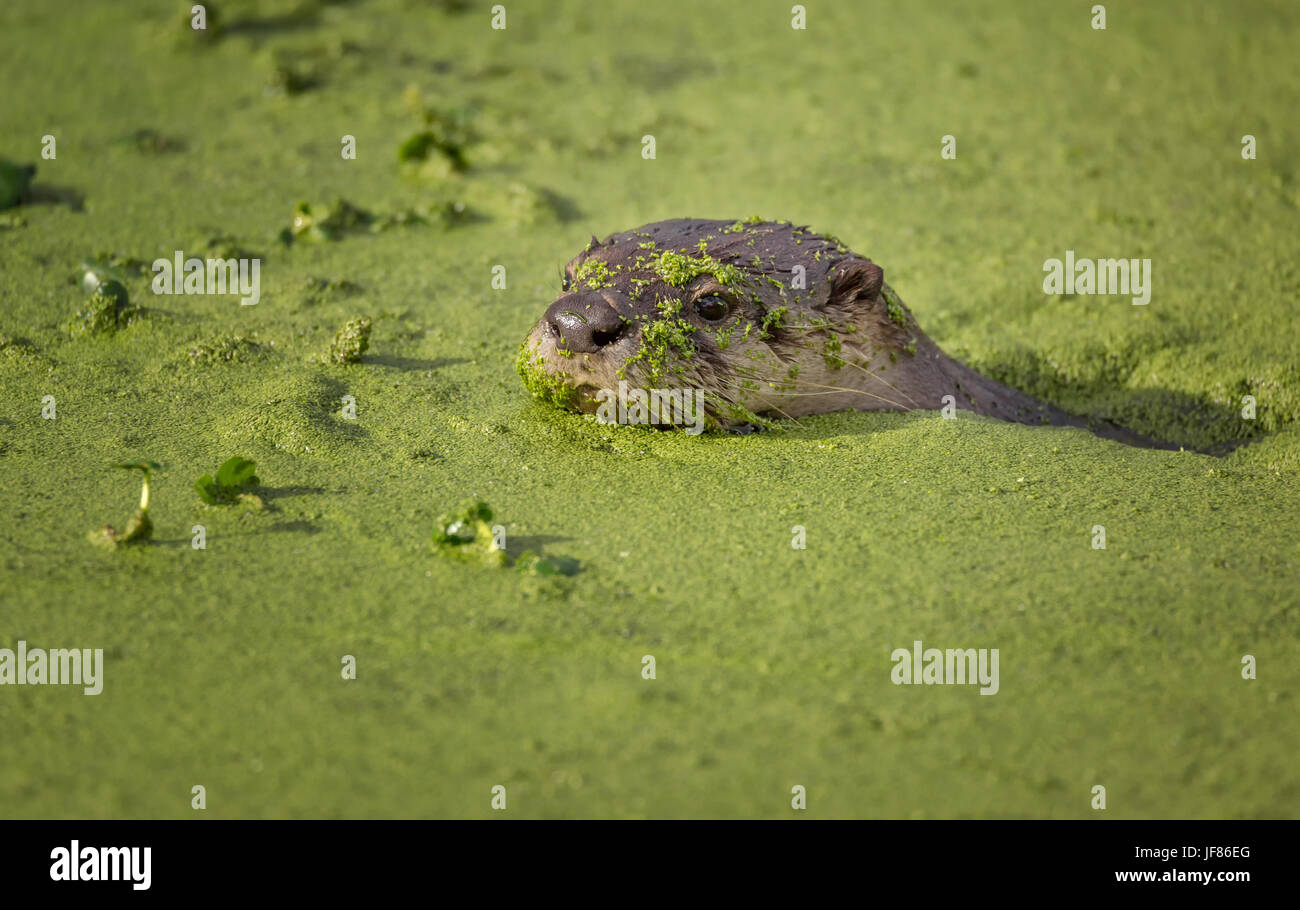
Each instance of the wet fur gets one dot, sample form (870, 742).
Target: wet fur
(883, 363)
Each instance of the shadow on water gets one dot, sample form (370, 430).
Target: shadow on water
(296, 526)
(410, 364)
(537, 543)
(304, 15)
(1195, 423)
(45, 194)
(271, 494)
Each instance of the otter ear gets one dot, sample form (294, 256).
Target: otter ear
(856, 287)
(855, 280)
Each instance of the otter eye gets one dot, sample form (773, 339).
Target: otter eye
(711, 308)
(565, 283)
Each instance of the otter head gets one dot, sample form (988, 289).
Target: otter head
(763, 318)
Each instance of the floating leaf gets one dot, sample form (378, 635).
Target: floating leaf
(467, 534)
(231, 484)
(237, 471)
(204, 485)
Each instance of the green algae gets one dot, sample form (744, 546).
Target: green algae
(289, 78)
(543, 385)
(316, 289)
(351, 341)
(326, 223)
(679, 269)
(150, 142)
(594, 274)
(214, 245)
(739, 226)
(223, 347)
(441, 213)
(773, 321)
(109, 310)
(831, 349)
(341, 218)
(547, 566)
(424, 145)
(894, 307)
(286, 411)
(17, 349)
(523, 204)
(446, 133)
(666, 344)
(467, 534)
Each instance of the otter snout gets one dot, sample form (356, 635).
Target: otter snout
(585, 322)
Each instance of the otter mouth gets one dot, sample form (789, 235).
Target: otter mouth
(586, 401)
(577, 349)
(555, 374)
(592, 384)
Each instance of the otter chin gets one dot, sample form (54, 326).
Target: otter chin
(758, 320)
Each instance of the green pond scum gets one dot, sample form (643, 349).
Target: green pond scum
(352, 341)
(680, 269)
(665, 343)
(545, 386)
(479, 665)
(108, 310)
(467, 534)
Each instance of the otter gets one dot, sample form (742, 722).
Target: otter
(768, 319)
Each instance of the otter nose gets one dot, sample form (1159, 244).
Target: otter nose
(585, 322)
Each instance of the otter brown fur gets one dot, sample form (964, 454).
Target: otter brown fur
(769, 319)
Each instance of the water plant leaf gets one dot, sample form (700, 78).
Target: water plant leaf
(234, 478)
(467, 534)
(204, 485)
(237, 471)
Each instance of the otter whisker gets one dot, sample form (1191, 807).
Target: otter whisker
(796, 381)
(791, 393)
(837, 388)
(723, 382)
(874, 376)
(880, 378)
